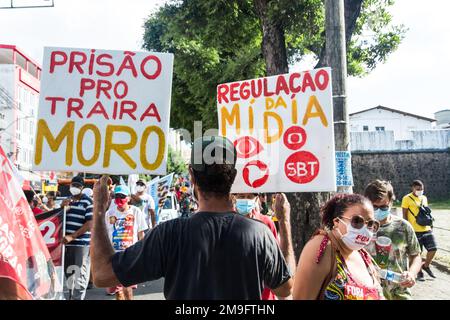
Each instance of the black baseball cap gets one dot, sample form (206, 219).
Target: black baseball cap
(140, 181)
(78, 180)
(209, 150)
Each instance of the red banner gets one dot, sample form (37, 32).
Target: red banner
(51, 227)
(24, 257)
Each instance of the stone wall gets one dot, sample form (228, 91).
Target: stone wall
(401, 168)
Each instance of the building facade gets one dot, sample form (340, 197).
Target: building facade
(386, 119)
(19, 99)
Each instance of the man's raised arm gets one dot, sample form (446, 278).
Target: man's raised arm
(101, 248)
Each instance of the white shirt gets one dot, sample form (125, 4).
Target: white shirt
(147, 204)
(123, 227)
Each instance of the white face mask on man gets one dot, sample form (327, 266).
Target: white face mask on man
(75, 191)
(140, 188)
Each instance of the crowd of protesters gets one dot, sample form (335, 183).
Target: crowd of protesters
(239, 246)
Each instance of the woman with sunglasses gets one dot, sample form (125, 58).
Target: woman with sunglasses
(333, 264)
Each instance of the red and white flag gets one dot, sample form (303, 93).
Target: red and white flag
(24, 257)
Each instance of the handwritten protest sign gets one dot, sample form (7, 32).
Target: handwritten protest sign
(159, 190)
(103, 111)
(282, 127)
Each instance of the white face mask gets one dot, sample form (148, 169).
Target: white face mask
(356, 239)
(44, 200)
(75, 191)
(140, 188)
(418, 193)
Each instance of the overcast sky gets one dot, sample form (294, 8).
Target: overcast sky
(414, 79)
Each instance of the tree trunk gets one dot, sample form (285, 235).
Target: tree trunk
(273, 45)
(352, 10)
(305, 207)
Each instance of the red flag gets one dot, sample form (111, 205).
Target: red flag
(51, 227)
(22, 247)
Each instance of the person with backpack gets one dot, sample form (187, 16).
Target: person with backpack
(396, 248)
(334, 264)
(416, 211)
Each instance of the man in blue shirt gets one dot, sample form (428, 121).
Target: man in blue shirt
(77, 240)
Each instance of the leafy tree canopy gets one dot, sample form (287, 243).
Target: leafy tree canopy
(218, 41)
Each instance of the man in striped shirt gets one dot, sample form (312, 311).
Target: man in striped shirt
(77, 240)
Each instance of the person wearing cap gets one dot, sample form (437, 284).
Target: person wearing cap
(215, 254)
(126, 225)
(77, 239)
(88, 191)
(145, 202)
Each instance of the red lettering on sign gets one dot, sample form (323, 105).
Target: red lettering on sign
(308, 82)
(86, 84)
(74, 63)
(222, 91)
(234, 91)
(322, 78)
(158, 67)
(57, 62)
(302, 167)
(151, 111)
(53, 101)
(100, 61)
(129, 111)
(103, 86)
(74, 105)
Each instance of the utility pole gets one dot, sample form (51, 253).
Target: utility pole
(336, 57)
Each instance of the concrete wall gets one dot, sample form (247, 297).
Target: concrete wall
(401, 168)
(385, 141)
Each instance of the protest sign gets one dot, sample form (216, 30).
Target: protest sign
(103, 111)
(159, 189)
(52, 227)
(282, 127)
(23, 254)
(344, 177)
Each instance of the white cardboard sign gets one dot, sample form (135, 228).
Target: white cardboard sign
(282, 127)
(103, 111)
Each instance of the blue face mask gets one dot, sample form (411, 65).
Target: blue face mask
(245, 206)
(380, 214)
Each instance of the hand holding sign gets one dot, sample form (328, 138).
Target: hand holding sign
(101, 194)
(282, 207)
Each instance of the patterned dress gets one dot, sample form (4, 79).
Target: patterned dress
(343, 286)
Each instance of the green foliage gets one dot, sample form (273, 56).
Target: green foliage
(219, 41)
(175, 162)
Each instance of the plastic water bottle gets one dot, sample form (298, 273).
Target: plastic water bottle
(392, 276)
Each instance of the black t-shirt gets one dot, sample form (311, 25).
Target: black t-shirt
(207, 256)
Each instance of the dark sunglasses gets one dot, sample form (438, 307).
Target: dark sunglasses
(119, 196)
(358, 222)
(381, 207)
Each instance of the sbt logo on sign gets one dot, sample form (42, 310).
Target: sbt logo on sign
(103, 111)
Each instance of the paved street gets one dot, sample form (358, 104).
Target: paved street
(430, 289)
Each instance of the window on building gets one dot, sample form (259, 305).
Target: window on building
(379, 128)
(365, 128)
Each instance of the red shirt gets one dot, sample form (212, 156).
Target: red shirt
(267, 294)
(36, 210)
